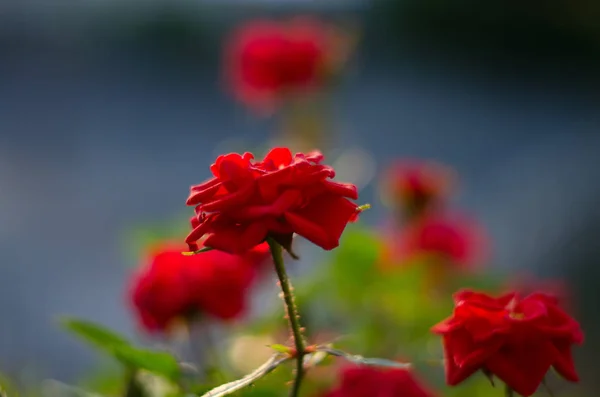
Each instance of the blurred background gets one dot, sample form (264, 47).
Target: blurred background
(110, 110)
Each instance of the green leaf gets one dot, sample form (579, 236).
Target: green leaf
(356, 359)
(159, 363)
(281, 348)
(353, 265)
(94, 334)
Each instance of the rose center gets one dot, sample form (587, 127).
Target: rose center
(516, 316)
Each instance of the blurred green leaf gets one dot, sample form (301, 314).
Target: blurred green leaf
(94, 334)
(281, 348)
(353, 264)
(159, 363)
(357, 359)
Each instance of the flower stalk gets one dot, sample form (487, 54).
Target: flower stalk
(132, 387)
(292, 314)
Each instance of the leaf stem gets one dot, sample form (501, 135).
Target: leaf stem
(292, 313)
(508, 391)
(133, 388)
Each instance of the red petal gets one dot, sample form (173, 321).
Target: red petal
(198, 232)
(237, 239)
(284, 202)
(456, 346)
(314, 156)
(564, 363)
(343, 189)
(523, 366)
(230, 200)
(323, 220)
(278, 157)
(234, 171)
(204, 192)
(446, 326)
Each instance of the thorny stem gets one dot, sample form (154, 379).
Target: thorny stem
(292, 313)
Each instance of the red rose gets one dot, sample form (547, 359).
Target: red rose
(451, 238)
(518, 340)
(266, 59)
(174, 286)
(363, 381)
(247, 201)
(415, 185)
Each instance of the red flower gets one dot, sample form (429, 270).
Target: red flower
(174, 286)
(452, 238)
(516, 339)
(247, 201)
(366, 381)
(415, 185)
(266, 59)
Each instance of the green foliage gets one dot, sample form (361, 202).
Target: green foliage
(355, 301)
(94, 334)
(118, 347)
(280, 348)
(351, 272)
(159, 363)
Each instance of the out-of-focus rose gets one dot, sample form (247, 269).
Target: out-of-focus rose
(247, 201)
(268, 60)
(417, 186)
(365, 381)
(445, 238)
(516, 339)
(171, 286)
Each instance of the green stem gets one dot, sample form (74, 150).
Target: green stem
(133, 388)
(292, 313)
(508, 392)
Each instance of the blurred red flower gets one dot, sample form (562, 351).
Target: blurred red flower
(516, 339)
(172, 286)
(452, 238)
(246, 201)
(416, 185)
(265, 60)
(364, 381)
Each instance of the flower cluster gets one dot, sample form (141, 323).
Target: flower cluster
(516, 339)
(428, 229)
(172, 286)
(248, 210)
(247, 201)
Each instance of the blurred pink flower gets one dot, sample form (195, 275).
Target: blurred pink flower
(171, 287)
(415, 186)
(366, 381)
(266, 60)
(448, 238)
